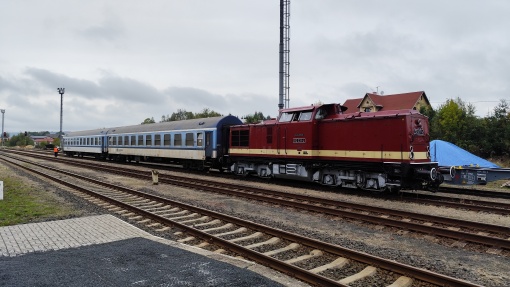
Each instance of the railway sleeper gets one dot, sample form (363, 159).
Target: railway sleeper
(368, 271)
(338, 263)
(272, 241)
(402, 281)
(249, 237)
(239, 230)
(291, 246)
(313, 253)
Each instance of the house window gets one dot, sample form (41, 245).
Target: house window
(368, 110)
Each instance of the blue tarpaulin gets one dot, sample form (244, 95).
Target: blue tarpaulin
(448, 154)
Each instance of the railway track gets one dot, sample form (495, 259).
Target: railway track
(313, 261)
(487, 237)
(480, 205)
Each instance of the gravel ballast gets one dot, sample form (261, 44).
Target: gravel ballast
(417, 250)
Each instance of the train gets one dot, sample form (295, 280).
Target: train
(377, 151)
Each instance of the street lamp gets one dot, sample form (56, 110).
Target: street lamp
(3, 138)
(61, 92)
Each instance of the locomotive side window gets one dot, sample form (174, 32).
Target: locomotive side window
(177, 140)
(240, 138)
(189, 139)
(321, 113)
(166, 139)
(157, 140)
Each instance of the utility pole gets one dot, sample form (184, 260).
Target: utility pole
(3, 137)
(284, 54)
(61, 92)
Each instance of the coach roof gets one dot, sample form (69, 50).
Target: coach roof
(203, 123)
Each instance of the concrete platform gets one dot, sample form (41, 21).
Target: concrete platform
(106, 251)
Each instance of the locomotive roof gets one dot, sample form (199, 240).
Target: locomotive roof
(203, 123)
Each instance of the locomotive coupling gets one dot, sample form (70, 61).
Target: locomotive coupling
(432, 173)
(448, 170)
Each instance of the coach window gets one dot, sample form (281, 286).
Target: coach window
(177, 140)
(148, 140)
(132, 140)
(200, 138)
(140, 140)
(166, 140)
(189, 139)
(157, 140)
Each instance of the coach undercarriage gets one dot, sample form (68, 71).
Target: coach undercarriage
(370, 176)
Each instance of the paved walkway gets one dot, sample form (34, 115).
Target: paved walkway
(104, 250)
(54, 235)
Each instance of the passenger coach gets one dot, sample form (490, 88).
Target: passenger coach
(196, 143)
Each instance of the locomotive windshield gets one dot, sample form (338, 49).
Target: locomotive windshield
(295, 116)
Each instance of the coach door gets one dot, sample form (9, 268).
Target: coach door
(208, 145)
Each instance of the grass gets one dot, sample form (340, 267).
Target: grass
(22, 203)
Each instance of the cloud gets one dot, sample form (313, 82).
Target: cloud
(109, 30)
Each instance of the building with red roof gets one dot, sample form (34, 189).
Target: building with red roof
(374, 102)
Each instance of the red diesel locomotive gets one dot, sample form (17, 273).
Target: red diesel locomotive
(383, 151)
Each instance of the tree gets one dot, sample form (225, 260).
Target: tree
(20, 140)
(206, 113)
(497, 131)
(455, 122)
(182, 114)
(148, 121)
(255, 118)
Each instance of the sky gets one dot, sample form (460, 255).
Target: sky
(122, 61)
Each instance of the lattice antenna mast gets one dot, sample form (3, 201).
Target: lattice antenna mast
(284, 53)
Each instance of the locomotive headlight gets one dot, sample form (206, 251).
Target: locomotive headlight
(411, 153)
(428, 151)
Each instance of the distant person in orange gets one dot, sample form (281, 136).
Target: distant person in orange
(55, 150)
